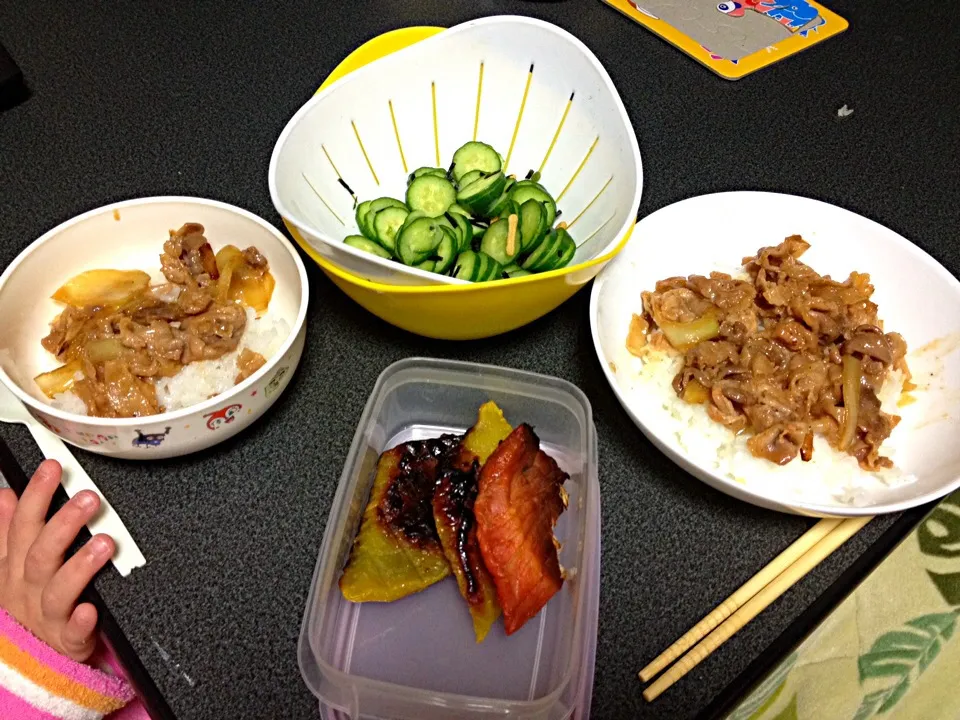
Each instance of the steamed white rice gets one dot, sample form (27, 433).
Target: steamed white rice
(200, 381)
(830, 477)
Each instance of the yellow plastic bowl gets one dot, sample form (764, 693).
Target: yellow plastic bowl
(451, 312)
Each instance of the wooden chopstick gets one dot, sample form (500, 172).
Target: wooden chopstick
(736, 601)
(837, 536)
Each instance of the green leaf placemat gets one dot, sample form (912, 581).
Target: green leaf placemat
(890, 650)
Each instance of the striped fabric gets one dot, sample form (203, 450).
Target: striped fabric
(36, 682)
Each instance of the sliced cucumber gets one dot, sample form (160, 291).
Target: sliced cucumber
(387, 224)
(566, 251)
(494, 243)
(376, 206)
(533, 224)
(361, 213)
(463, 229)
(419, 240)
(446, 251)
(419, 172)
(459, 210)
(457, 221)
(415, 215)
(367, 245)
(510, 208)
(466, 265)
(469, 178)
(489, 269)
(478, 195)
(431, 194)
(475, 156)
(497, 206)
(542, 255)
(514, 271)
(527, 190)
(478, 231)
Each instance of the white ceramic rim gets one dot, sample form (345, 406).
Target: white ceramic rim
(32, 402)
(436, 279)
(729, 487)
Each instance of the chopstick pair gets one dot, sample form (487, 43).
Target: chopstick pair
(808, 551)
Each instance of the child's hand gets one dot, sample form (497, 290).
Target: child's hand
(37, 588)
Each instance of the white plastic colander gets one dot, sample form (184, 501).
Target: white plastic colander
(528, 88)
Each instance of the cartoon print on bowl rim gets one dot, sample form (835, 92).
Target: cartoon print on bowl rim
(151, 440)
(224, 416)
(95, 439)
(275, 381)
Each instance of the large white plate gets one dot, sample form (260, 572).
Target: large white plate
(917, 298)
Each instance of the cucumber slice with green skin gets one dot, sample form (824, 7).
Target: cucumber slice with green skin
(475, 156)
(511, 208)
(444, 222)
(540, 257)
(514, 271)
(361, 213)
(466, 265)
(446, 251)
(490, 269)
(567, 250)
(498, 206)
(387, 224)
(459, 210)
(463, 230)
(431, 194)
(527, 190)
(367, 245)
(469, 178)
(428, 265)
(478, 195)
(415, 215)
(532, 225)
(376, 206)
(494, 243)
(419, 240)
(419, 172)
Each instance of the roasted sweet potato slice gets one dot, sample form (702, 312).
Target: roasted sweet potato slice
(397, 551)
(520, 498)
(453, 502)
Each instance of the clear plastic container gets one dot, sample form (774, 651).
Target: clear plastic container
(416, 658)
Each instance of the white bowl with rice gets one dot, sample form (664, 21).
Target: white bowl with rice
(916, 296)
(201, 404)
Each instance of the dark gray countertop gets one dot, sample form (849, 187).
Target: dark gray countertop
(152, 98)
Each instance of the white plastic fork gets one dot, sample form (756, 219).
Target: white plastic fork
(75, 478)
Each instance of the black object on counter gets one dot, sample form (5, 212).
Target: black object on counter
(13, 90)
(118, 643)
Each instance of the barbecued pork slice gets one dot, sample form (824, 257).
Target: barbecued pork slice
(521, 497)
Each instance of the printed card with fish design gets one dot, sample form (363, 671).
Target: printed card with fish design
(735, 37)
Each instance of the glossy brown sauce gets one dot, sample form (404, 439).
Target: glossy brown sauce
(117, 333)
(456, 493)
(783, 354)
(407, 504)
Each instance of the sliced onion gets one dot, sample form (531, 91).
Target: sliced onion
(695, 393)
(102, 287)
(852, 374)
(99, 351)
(684, 336)
(60, 380)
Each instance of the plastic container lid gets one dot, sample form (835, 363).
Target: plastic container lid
(416, 658)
